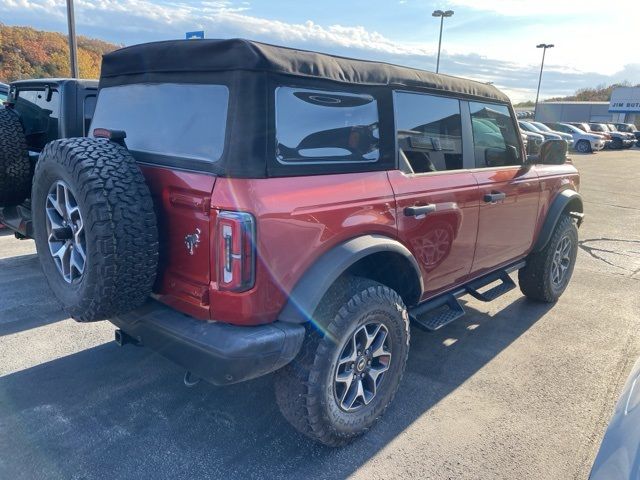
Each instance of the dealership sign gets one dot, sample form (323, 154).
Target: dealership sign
(625, 100)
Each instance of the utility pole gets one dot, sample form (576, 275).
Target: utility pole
(442, 15)
(544, 46)
(73, 46)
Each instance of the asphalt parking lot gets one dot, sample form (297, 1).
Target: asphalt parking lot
(513, 390)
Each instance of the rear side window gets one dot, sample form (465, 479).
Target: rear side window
(176, 120)
(40, 112)
(317, 126)
(429, 132)
(495, 137)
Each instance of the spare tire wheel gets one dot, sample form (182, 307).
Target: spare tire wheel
(15, 167)
(95, 227)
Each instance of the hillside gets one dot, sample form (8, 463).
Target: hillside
(29, 53)
(601, 93)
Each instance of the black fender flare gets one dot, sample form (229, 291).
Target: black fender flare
(566, 199)
(314, 283)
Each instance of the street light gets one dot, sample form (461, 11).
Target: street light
(73, 46)
(544, 46)
(442, 15)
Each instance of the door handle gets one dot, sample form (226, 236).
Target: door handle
(416, 210)
(494, 197)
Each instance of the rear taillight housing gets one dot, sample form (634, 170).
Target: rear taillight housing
(235, 236)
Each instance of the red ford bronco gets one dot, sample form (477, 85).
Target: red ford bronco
(244, 209)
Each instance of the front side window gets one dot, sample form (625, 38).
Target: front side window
(429, 132)
(495, 137)
(317, 126)
(176, 120)
(40, 111)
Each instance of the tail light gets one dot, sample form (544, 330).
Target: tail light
(235, 234)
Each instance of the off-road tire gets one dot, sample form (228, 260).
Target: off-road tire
(304, 388)
(15, 168)
(119, 221)
(535, 278)
(617, 144)
(583, 146)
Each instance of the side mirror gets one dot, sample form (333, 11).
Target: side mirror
(553, 152)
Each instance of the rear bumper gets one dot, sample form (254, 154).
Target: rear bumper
(217, 352)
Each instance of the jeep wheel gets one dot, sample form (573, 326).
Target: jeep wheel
(583, 146)
(15, 167)
(95, 228)
(350, 365)
(547, 272)
(617, 143)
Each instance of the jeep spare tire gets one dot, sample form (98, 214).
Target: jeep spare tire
(95, 227)
(15, 167)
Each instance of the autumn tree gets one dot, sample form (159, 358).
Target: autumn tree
(29, 53)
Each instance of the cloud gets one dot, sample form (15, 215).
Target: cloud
(519, 8)
(135, 21)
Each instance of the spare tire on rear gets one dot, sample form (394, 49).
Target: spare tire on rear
(15, 167)
(95, 227)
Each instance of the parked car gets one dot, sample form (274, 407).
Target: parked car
(586, 128)
(526, 126)
(534, 142)
(583, 142)
(630, 137)
(629, 128)
(543, 128)
(618, 139)
(619, 454)
(4, 91)
(48, 109)
(291, 212)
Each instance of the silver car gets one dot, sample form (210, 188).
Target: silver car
(619, 455)
(543, 128)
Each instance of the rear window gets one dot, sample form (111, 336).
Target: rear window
(175, 120)
(318, 126)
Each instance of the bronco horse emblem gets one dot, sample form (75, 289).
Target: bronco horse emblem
(192, 240)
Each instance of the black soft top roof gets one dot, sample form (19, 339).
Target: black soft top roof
(37, 82)
(198, 57)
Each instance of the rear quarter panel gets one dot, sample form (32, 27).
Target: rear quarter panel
(553, 180)
(298, 219)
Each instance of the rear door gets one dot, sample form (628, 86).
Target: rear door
(436, 198)
(509, 190)
(175, 143)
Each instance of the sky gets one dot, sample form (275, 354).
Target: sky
(596, 42)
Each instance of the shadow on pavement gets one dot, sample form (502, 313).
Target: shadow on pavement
(107, 412)
(25, 299)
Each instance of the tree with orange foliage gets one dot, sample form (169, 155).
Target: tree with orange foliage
(29, 53)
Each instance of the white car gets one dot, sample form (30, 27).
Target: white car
(583, 142)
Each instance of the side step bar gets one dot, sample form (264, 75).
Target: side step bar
(444, 309)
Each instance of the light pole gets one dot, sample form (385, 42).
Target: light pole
(442, 15)
(544, 46)
(73, 46)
